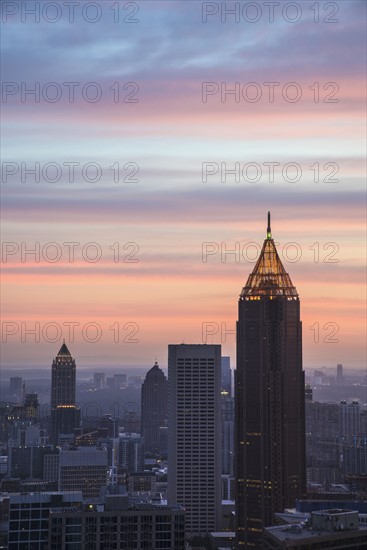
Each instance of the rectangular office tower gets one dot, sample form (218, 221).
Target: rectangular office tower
(269, 398)
(194, 434)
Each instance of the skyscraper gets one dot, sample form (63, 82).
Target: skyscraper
(194, 434)
(130, 452)
(322, 443)
(31, 407)
(154, 403)
(226, 375)
(65, 414)
(350, 418)
(99, 380)
(16, 388)
(339, 375)
(227, 434)
(269, 400)
(83, 469)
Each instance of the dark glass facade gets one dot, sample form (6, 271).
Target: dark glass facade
(65, 416)
(154, 404)
(269, 399)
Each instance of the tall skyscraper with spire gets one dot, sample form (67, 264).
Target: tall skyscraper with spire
(65, 415)
(154, 408)
(269, 398)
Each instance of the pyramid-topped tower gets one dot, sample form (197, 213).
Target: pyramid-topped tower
(270, 471)
(64, 351)
(269, 278)
(65, 414)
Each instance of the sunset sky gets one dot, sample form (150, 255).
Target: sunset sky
(170, 211)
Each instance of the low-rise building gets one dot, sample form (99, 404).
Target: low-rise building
(118, 523)
(83, 469)
(333, 529)
(29, 517)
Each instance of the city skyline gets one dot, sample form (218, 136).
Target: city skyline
(183, 268)
(177, 205)
(323, 335)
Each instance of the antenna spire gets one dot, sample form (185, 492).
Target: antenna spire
(268, 231)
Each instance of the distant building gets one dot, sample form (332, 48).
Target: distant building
(154, 408)
(131, 421)
(31, 407)
(331, 529)
(119, 381)
(319, 377)
(84, 437)
(28, 461)
(16, 388)
(354, 457)
(131, 452)
(323, 419)
(323, 443)
(339, 375)
(111, 424)
(222, 540)
(226, 375)
(135, 382)
(83, 469)
(350, 418)
(227, 434)
(194, 434)
(142, 482)
(99, 380)
(326, 501)
(65, 415)
(163, 441)
(24, 432)
(308, 393)
(29, 517)
(228, 487)
(3, 465)
(51, 465)
(118, 523)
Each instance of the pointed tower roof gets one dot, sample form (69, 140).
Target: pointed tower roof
(155, 371)
(269, 278)
(154, 368)
(64, 352)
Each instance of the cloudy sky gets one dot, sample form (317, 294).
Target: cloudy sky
(133, 125)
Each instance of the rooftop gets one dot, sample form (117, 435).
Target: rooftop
(64, 352)
(326, 525)
(269, 278)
